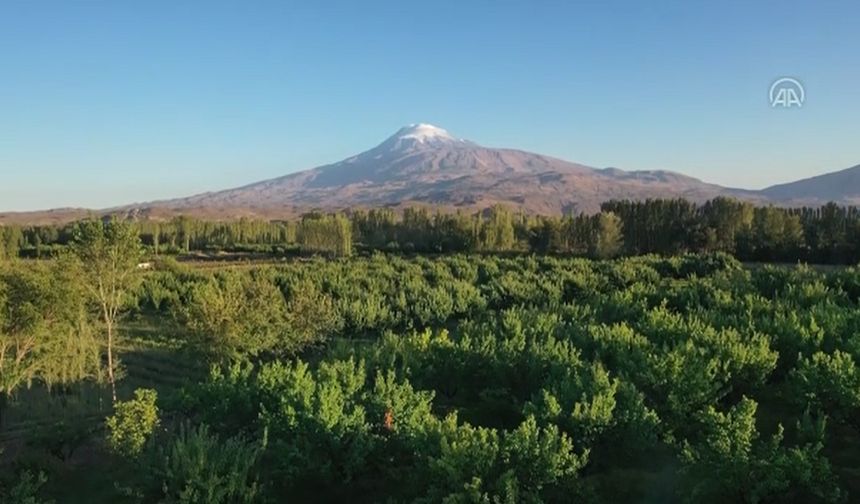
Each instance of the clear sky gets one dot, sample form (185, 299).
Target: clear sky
(111, 102)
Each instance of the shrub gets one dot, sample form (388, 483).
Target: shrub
(199, 467)
(132, 423)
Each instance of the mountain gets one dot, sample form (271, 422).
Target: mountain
(842, 186)
(424, 164)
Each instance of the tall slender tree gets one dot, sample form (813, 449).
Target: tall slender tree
(608, 235)
(109, 252)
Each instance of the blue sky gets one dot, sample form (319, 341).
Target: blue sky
(106, 102)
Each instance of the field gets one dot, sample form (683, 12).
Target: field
(469, 378)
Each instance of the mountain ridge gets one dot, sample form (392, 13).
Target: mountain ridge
(423, 164)
(832, 186)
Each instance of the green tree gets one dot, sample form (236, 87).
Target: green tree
(25, 490)
(329, 234)
(728, 218)
(830, 383)
(608, 236)
(18, 343)
(132, 423)
(498, 230)
(236, 316)
(11, 239)
(732, 462)
(527, 464)
(45, 332)
(311, 317)
(109, 252)
(198, 467)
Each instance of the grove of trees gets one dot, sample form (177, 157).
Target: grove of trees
(822, 235)
(390, 377)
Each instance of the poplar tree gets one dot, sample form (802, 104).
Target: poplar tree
(109, 252)
(608, 235)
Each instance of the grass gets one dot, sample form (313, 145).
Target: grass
(152, 354)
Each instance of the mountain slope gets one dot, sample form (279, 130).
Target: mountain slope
(422, 163)
(842, 187)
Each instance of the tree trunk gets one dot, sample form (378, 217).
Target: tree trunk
(4, 397)
(110, 361)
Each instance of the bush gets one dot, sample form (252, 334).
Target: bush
(132, 423)
(199, 467)
(25, 490)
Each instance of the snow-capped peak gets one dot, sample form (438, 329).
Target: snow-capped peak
(418, 135)
(423, 132)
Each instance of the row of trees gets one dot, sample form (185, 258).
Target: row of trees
(186, 234)
(496, 230)
(827, 234)
(414, 230)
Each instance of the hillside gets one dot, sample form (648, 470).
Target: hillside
(842, 187)
(422, 164)
(425, 164)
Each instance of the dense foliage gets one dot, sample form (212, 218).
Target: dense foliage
(465, 378)
(824, 235)
(132, 423)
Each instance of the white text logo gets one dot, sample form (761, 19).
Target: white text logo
(787, 92)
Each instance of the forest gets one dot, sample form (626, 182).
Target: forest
(822, 235)
(647, 353)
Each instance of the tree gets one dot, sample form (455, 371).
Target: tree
(25, 490)
(236, 316)
(109, 252)
(830, 382)
(45, 331)
(132, 423)
(732, 462)
(330, 234)
(18, 340)
(498, 230)
(11, 239)
(199, 467)
(71, 350)
(185, 228)
(608, 238)
(479, 464)
(727, 218)
(311, 317)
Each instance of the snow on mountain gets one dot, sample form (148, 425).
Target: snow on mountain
(419, 136)
(425, 164)
(423, 132)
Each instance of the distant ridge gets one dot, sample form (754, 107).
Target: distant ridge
(842, 187)
(423, 164)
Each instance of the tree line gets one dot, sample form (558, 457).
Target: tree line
(827, 234)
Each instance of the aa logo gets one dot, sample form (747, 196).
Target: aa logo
(787, 93)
